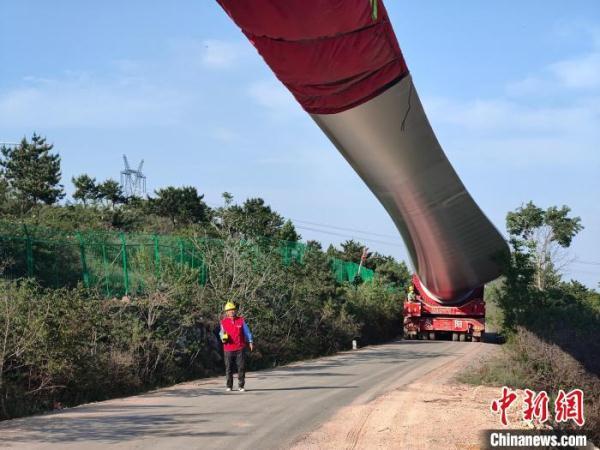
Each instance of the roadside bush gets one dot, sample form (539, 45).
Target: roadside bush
(377, 309)
(68, 346)
(526, 361)
(62, 347)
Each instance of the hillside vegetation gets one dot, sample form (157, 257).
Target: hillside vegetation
(66, 338)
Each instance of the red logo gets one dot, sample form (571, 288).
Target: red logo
(567, 406)
(503, 403)
(536, 406)
(570, 406)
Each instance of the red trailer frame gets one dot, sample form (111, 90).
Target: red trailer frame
(427, 318)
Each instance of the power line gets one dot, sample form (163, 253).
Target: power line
(371, 233)
(345, 229)
(348, 236)
(334, 227)
(589, 263)
(586, 272)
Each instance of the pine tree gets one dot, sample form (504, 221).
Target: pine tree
(32, 172)
(3, 192)
(181, 205)
(110, 190)
(85, 188)
(288, 232)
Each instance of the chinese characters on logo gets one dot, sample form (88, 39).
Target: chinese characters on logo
(504, 403)
(570, 406)
(567, 406)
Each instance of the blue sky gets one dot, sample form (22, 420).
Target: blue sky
(511, 88)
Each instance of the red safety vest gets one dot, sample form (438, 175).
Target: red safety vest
(234, 327)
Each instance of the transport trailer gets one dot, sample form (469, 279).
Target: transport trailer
(425, 317)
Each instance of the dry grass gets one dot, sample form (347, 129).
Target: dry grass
(527, 361)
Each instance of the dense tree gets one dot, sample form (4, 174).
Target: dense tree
(352, 250)
(534, 300)
(389, 270)
(4, 190)
(182, 205)
(532, 278)
(227, 198)
(332, 252)
(32, 172)
(288, 232)
(86, 189)
(543, 235)
(253, 219)
(111, 192)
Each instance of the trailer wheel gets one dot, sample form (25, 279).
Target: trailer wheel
(431, 336)
(455, 337)
(476, 338)
(462, 337)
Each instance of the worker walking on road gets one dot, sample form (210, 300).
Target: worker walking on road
(234, 335)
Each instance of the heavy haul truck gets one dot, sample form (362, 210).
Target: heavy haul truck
(425, 317)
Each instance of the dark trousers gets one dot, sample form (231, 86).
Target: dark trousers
(240, 361)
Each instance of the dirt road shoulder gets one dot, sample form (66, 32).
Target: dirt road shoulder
(434, 412)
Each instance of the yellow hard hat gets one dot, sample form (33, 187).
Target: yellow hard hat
(411, 288)
(229, 306)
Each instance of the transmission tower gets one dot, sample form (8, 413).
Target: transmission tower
(133, 182)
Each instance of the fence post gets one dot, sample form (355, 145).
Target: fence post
(105, 266)
(84, 269)
(202, 275)
(156, 257)
(125, 272)
(28, 251)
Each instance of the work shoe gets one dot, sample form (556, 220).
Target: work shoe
(228, 389)
(242, 390)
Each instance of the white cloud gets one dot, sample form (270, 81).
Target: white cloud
(510, 133)
(549, 117)
(579, 73)
(275, 97)
(79, 100)
(158, 92)
(509, 117)
(531, 85)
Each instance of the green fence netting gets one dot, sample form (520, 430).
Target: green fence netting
(348, 271)
(121, 264)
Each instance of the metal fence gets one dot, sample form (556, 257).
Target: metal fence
(120, 264)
